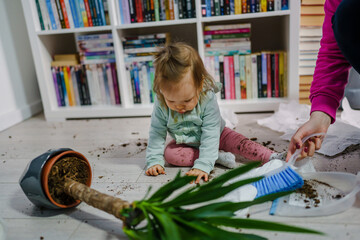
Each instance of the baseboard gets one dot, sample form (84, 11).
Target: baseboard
(14, 117)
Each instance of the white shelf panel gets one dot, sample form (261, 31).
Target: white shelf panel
(253, 105)
(75, 30)
(245, 16)
(157, 23)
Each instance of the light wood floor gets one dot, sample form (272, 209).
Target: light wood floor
(119, 171)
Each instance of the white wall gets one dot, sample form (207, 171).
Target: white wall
(19, 92)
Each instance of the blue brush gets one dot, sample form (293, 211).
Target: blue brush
(284, 178)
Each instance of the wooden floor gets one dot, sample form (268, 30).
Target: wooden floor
(119, 171)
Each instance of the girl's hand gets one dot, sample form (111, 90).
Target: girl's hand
(319, 122)
(200, 174)
(155, 170)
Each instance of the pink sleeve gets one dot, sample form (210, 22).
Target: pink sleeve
(331, 71)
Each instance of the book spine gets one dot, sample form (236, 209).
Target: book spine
(227, 7)
(69, 13)
(74, 82)
(248, 6)
(259, 76)
(227, 36)
(277, 5)
(270, 5)
(83, 13)
(276, 75)
(227, 78)
(78, 13)
(253, 6)
(88, 73)
(60, 87)
(93, 12)
(65, 14)
(189, 8)
(72, 98)
(42, 26)
(156, 10)
(51, 15)
(79, 86)
(281, 74)
(45, 15)
(64, 87)
(138, 10)
(88, 13)
(248, 76)
(101, 12)
(208, 8)
(237, 76)
(284, 5)
(263, 5)
(244, 6)
(243, 86)
(254, 76)
(258, 5)
(115, 83)
(108, 79)
(74, 13)
(222, 77)
(56, 14)
(264, 75)
(232, 77)
(237, 6)
(85, 85)
(268, 71)
(56, 87)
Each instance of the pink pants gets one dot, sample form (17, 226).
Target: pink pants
(230, 141)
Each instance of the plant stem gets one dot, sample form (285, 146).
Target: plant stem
(95, 198)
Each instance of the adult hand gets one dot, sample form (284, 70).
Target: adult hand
(200, 174)
(155, 170)
(319, 122)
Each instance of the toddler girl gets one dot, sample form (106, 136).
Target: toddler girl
(186, 107)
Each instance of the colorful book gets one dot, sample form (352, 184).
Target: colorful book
(41, 20)
(243, 86)
(56, 87)
(51, 14)
(264, 74)
(248, 77)
(254, 76)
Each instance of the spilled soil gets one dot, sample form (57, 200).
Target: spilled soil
(67, 167)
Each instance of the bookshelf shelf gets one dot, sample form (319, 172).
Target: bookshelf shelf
(278, 30)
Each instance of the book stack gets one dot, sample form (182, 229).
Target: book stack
(96, 48)
(79, 85)
(137, 11)
(139, 55)
(311, 20)
(60, 14)
(227, 39)
(249, 76)
(230, 7)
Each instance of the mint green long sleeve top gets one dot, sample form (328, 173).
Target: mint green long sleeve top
(199, 128)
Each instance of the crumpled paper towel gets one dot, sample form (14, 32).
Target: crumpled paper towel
(248, 192)
(291, 116)
(349, 115)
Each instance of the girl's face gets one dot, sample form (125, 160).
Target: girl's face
(182, 97)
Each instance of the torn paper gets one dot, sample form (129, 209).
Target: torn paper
(291, 116)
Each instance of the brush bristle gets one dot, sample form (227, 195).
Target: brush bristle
(285, 180)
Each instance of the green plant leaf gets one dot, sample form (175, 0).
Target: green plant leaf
(166, 223)
(257, 224)
(220, 180)
(204, 195)
(167, 189)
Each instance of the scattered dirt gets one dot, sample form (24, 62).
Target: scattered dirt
(68, 167)
(135, 133)
(142, 143)
(313, 192)
(10, 136)
(253, 139)
(266, 143)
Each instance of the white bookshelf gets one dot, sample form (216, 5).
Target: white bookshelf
(278, 30)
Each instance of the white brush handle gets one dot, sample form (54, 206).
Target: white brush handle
(298, 151)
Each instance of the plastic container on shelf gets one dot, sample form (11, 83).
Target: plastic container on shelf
(335, 193)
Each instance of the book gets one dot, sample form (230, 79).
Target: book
(45, 15)
(56, 86)
(237, 76)
(78, 12)
(312, 2)
(254, 76)
(242, 67)
(65, 14)
(312, 20)
(227, 36)
(41, 20)
(74, 13)
(310, 31)
(227, 31)
(312, 10)
(227, 82)
(88, 13)
(259, 77)
(51, 15)
(83, 13)
(65, 91)
(72, 76)
(276, 73)
(263, 5)
(264, 78)
(69, 14)
(248, 77)
(227, 26)
(281, 74)
(60, 85)
(116, 83)
(222, 77)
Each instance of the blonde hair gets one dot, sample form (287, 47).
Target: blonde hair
(173, 61)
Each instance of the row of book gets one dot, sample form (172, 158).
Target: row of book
(230, 7)
(227, 39)
(137, 11)
(96, 48)
(139, 55)
(258, 75)
(78, 85)
(60, 14)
